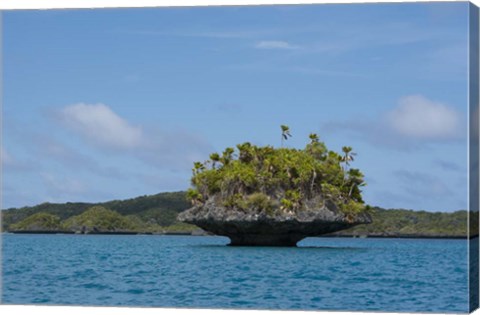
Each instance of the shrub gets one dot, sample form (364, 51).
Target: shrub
(260, 202)
(257, 178)
(101, 219)
(38, 222)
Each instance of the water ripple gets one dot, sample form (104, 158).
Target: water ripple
(176, 271)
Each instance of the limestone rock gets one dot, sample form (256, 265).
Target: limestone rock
(275, 228)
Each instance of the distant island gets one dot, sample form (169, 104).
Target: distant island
(157, 214)
(276, 196)
(253, 195)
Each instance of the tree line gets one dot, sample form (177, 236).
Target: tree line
(157, 214)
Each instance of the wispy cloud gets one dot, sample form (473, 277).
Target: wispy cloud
(280, 66)
(100, 125)
(63, 187)
(51, 149)
(173, 150)
(214, 34)
(275, 44)
(104, 129)
(415, 120)
(38, 149)
(395, 199)
(421, 185)
(420, 191)
(11, 162)
(451, 59)
(420, 118)
(449, 166)
(325, 72)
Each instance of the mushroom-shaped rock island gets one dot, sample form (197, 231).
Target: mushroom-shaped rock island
(265, 196)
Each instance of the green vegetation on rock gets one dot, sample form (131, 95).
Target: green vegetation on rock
(99, 219)
(399, 222)
(385, 222)
(149, 210)
(96, 219)
(157, 211)
(40, 221)
(181, 227)
(272, 179)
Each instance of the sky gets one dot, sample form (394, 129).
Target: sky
(103, 104)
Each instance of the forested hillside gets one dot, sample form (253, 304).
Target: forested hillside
(160, 209)
(157, 214)
(400, 222)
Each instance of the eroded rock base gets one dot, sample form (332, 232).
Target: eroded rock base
(250, 228)
(265, 240)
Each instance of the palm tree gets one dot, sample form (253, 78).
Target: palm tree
(349, 155)
(245, 154)
(285, 133)
(227, 155)
(195, 196)
(197, 167)
(314, 138)
(355, 178)
(316, 148)
(215, 157)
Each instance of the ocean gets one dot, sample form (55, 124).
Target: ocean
(348, 274)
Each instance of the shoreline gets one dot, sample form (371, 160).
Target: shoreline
(401, 236)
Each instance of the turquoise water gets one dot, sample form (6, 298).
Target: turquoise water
(391, 275)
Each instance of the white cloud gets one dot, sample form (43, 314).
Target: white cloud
(275, 44)
(164, 149)
(174, 149)
(415, 121)
(100, 125)
(418, 117)
(50, 148)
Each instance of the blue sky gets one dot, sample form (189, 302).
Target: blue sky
(115, 103)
